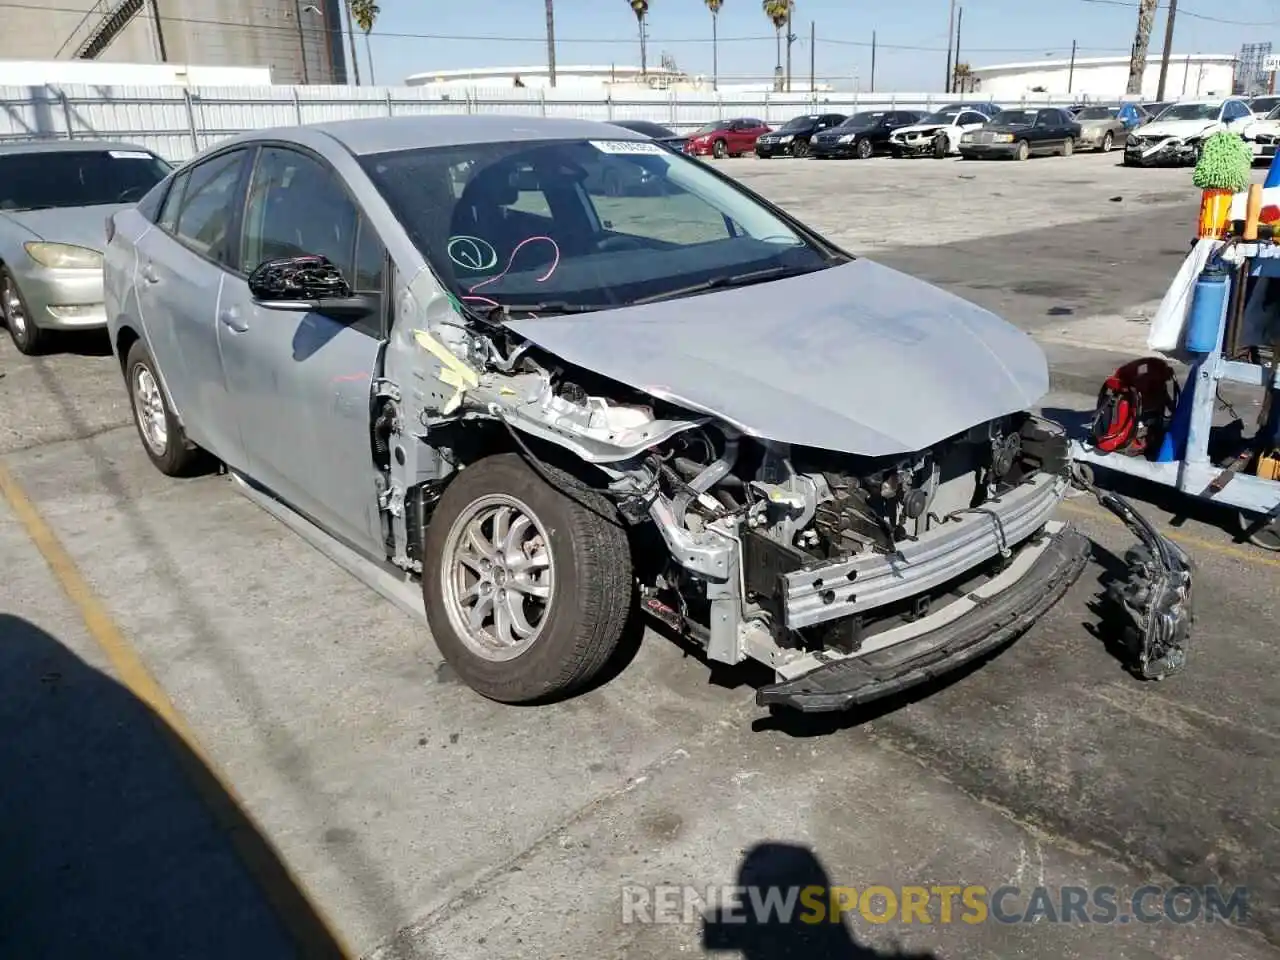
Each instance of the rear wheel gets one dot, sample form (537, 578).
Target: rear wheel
(863, 149)
(529, 583)
(163, 438)
(26, 336)
(720, 150)
(1068, 147)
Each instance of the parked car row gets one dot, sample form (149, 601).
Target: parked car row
(1150, 133)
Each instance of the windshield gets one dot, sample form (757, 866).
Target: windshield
(1015, 118)
(709, 128)
(799, 123)
(1191, 111)
(564, 224)
(77, 178)
(1097, 113)
(1264, 104)
(860, 120)
(942, 116)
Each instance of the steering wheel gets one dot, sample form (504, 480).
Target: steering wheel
(609, 244)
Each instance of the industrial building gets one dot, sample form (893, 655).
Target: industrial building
(1190, 75)
(300, 42)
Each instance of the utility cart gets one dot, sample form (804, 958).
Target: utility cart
(1226, 321)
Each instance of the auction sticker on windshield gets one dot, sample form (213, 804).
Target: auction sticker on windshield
(626, 146)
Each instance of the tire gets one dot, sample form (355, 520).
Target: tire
(1267, 538)
(1129, 161)
(26, 336)
(800, 149)
(941, 146)
(589, 568)
(1068, 147)
(863, 149)
(719, 149)
(171, 454)
(1108, 141)
(1022, 151)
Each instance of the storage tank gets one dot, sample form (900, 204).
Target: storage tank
(301, 41)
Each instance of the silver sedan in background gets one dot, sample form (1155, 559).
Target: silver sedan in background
(55, 198)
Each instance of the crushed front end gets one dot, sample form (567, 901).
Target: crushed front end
(1150, 150)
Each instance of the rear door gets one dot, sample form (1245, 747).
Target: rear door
(180, 270)
(302, 383)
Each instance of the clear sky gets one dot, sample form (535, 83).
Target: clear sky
(413, 36)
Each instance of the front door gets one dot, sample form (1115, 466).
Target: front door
(302, 383)
(182, 262)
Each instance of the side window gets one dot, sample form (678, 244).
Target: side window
(296, 207)
(168, 219)
(1236, 110)
(206, 211)
(968, 118)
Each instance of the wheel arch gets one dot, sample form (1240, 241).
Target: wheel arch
(126, 335)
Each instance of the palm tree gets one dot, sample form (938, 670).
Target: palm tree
(365, 13)
(641, 10)
(963, 78)
(779, 14)
(714, 6)
(551, 42)
(1141, 40)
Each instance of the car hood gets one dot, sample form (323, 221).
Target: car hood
(1261, 126)
(1006, 127)
(857, 358)
(83, 226)
(1177, 128)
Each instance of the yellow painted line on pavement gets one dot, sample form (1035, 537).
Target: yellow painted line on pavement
(314, 934)
(1253, 555)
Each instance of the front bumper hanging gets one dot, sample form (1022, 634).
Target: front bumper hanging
(1155, 597)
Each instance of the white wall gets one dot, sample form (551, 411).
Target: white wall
(1186, 79)
(101, 72)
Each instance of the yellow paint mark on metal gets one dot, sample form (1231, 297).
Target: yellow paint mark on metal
(313, 932)
(1244, 554)
(456, 373)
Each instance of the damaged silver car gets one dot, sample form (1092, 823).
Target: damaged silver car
(532, 409)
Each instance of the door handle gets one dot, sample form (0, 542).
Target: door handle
(231, 318)
(149, 274)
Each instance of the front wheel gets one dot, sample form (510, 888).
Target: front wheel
(941, 146)
(800, 148)
(163, 438)
(528, 583)
(863, 149)
(24, 333)
(1259, 531)
(720, 150)
(1022, 151)
(1108, 141)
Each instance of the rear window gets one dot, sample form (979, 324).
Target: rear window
(77, 178)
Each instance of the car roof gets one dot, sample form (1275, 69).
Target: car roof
(390, 134)
(65, 146)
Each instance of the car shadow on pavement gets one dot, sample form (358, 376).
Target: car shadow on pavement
(115, 839)
(771, 874)
(83, 343)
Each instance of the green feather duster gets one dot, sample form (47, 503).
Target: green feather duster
(1225, 163)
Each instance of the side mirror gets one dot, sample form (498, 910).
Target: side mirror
(308, 284)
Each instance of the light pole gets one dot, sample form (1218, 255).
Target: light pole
(302, 40)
